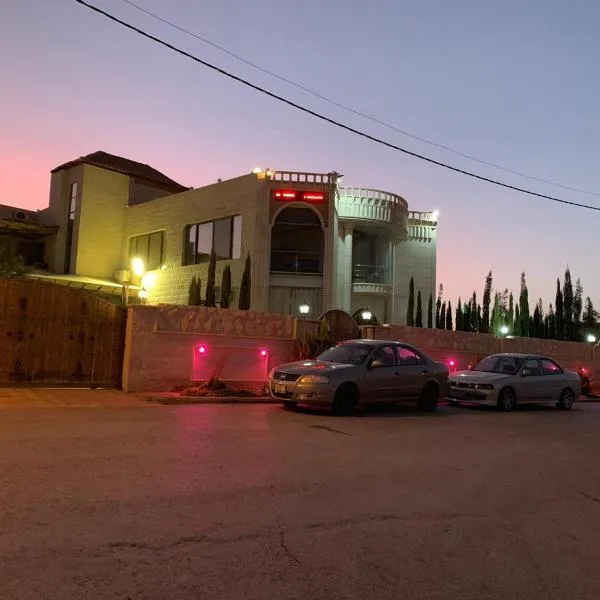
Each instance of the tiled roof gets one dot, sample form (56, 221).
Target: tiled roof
(125, 166)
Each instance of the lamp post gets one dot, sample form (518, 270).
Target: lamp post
(366, 315)
(591, 338)
(304, 308)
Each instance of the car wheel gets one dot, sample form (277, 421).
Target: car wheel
(567, 399)
(429, 398)
(345, 400)
(453, 403)
(288, 405)
(507, 399)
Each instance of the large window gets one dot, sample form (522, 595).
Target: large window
(224, 236)
(69, 229)
(150, 248)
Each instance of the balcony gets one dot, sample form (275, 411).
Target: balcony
(360, 204)
(296, 263)
(371, 279)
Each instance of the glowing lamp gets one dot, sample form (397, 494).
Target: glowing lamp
(591, 338)
(202, 350)
(257, 170)
(263, 353)
(143, 294)
(504, 329)
(366, 315)
(435, 215)
(149, 281)
(137, 266)
(452, 363)
(313, 196)
(304, 308)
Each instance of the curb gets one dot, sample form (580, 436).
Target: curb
(178, 400)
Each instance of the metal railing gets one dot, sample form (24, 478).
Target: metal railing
(370, 274)
(305, 263)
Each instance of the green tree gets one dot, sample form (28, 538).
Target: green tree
(577, 308)
(410, 313)
(537, 324)
(194, 296)
(419, 317)
(245, 286)
(518, 325)
(473, 313)
(510, 319)
(589, 315)
(568, 305)
(479, 318)
(13, 267)
(449, 317)
(443, 316)
(430, 312)
(551, 334)
(438, 308)
(487, 299)
(225, 287)
(459, 316)
(524, 306)
(559, 332)
(210, 299)
(495, 320)
(466, 316)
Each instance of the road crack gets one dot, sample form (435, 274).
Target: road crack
(332, 429)
(286, 550)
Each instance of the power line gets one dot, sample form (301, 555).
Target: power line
(328, 119)
(353, 110)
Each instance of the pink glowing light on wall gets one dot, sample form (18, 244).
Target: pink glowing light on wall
(452, 363)
(263, 353)
(202, 349)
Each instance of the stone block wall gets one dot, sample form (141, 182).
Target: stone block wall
(463, 347)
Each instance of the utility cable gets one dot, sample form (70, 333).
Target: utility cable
(328, 119)
(353, 110)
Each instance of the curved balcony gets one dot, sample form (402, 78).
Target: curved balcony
(370, 279)
(361, 204)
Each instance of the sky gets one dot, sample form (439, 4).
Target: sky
(514, 83)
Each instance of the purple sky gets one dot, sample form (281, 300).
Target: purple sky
(513, 82)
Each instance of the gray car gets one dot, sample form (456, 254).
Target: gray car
(358, 372)
(503, 380)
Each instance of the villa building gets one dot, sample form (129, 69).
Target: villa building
(312, 241)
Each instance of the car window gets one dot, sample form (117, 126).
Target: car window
(549, 367)
(533, 366)
(385, 354)
(408, 357)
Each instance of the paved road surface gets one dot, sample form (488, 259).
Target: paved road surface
(231, 502)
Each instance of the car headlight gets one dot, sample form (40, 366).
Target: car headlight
(483, 386)
(314, 379)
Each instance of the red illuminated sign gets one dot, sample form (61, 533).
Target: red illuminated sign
(290, 195)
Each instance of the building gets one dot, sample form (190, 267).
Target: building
(312, 241)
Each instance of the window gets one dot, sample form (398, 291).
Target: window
(385, 355)
(224, 236)
(408, 357)
(550, 367)
(533, 366)
(150, 248)
(73, 202)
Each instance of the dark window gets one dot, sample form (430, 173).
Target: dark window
(73, 202)
(224, 235)
(533, 366)
(385, 355)
(408, 357)
(550, 367)
(150, 248)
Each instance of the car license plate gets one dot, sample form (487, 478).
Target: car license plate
(279, 388)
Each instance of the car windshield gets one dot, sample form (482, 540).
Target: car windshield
(346, 354)
(499, 364)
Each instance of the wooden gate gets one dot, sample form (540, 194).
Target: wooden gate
(341, 325)
(52, 334)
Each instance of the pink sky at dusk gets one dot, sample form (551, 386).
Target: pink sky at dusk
(74, 83)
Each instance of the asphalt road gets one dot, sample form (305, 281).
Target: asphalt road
(231, 502)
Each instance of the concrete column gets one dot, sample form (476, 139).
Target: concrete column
(348, 239)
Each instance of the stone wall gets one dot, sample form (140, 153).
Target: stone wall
(463, 348)
(167, 346)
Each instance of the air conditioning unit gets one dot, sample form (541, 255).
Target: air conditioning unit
(122, 276)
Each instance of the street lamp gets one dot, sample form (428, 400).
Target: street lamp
(304, 308)
(591, 338)
(366, 315)
(504, 330)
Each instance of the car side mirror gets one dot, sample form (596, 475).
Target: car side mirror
(525, 373)
(375, 364)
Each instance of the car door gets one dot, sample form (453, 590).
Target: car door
(532, 382)
(412, 369)
(553, 379)
(380, 379)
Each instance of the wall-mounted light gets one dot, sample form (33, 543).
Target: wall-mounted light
(148, 280)
(304, 308)
(202, 349)
(591, 338)
(263, 353)
(137, 266)
(143, 294)
(257, 170)
(366, 315)
(504, 329)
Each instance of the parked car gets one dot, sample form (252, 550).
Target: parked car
(503, 380)
(360, 372)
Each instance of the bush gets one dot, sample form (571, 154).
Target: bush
(313, 344)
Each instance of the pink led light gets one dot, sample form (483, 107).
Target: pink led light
(452, 363)
(263, 352)
(202, 349)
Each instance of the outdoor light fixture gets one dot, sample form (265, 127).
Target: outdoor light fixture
(263, 352)
(451, 363)
(304, 308)
(591, 338)
(137, 266)
(504, 330)
(143, 294)
(435, 215)
(202, 349)
(148, 281)
(257, 170)
(366, 315)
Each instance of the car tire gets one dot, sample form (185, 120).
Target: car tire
(289, 405)
(453, 403)
(345, 400)
(567, 399)
(507, 399)
(429, 398)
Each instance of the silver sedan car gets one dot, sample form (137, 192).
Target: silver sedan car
(503, 380)
(359, 372)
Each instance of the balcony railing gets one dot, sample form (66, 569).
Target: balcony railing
(303, 263)
(370, 274)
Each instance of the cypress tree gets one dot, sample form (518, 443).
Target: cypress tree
(410, 313)
(524, 307)
(443, 316)
(193, 294)
(225, 287)
(459, 316)
(484, 326)
(559, 333)
(438, 308)
(517, 326)
(449, 317)
(419, 316)
(245, 286)
(430, 312)
(568, 305)
(210, 299)
(473, 323)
